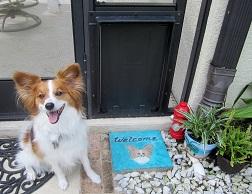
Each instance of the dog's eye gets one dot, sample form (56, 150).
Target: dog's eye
(58, 93)
(41, 96)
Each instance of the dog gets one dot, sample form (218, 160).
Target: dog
(57, 138)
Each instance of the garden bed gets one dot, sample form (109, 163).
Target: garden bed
(182, 179)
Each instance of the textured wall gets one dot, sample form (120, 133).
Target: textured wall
(215, 19)
(244, 71)
(185, 46)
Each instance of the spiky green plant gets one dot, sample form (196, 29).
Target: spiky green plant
(235, 144)
(245, 111)
(204, 124)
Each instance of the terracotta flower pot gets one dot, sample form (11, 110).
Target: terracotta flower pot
(225, 166)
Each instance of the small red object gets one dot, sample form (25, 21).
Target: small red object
(176, 129)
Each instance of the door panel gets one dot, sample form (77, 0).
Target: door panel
(132, 59)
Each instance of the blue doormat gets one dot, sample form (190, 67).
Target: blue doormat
(138, 150)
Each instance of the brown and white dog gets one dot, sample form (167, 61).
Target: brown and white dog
(57, 138)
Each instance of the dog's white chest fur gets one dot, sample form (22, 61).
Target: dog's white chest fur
(64, 141)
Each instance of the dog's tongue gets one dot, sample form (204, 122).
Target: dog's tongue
(53, 117)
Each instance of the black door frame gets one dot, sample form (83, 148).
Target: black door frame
(129, 13)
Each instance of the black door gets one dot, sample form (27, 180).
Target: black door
(130, 56)
(132, 61)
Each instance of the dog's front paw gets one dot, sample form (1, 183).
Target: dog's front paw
(30, 174)
(95, 178)
(63, 184)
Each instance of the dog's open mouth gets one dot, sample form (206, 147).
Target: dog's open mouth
(55, 115)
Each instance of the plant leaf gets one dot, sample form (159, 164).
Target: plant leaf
(243, 112)
(247, 100)
(241, 92)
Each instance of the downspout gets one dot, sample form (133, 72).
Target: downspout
(232, 36)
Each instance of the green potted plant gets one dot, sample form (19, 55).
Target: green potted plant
(202, 127)
(234, 148)
(245, 111)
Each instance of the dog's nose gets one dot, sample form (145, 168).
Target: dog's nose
(49, 106)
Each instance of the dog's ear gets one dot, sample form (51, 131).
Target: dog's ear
(148, 147)
(25, 85)
(25, 80)
(148, 150)
(72, 76)
(131, 148)
(70, 73)
(132, 151)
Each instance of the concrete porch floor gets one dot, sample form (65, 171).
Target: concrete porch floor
(99, 153)
(100, 160)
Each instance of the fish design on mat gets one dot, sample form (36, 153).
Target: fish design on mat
(141, 156)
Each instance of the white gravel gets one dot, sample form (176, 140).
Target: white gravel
(182, 179)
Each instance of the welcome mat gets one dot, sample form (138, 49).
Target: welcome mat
(12, 179)
(138, 150)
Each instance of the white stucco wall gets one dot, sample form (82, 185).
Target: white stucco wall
(185, 46)
(244, 72)
(215, 19)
